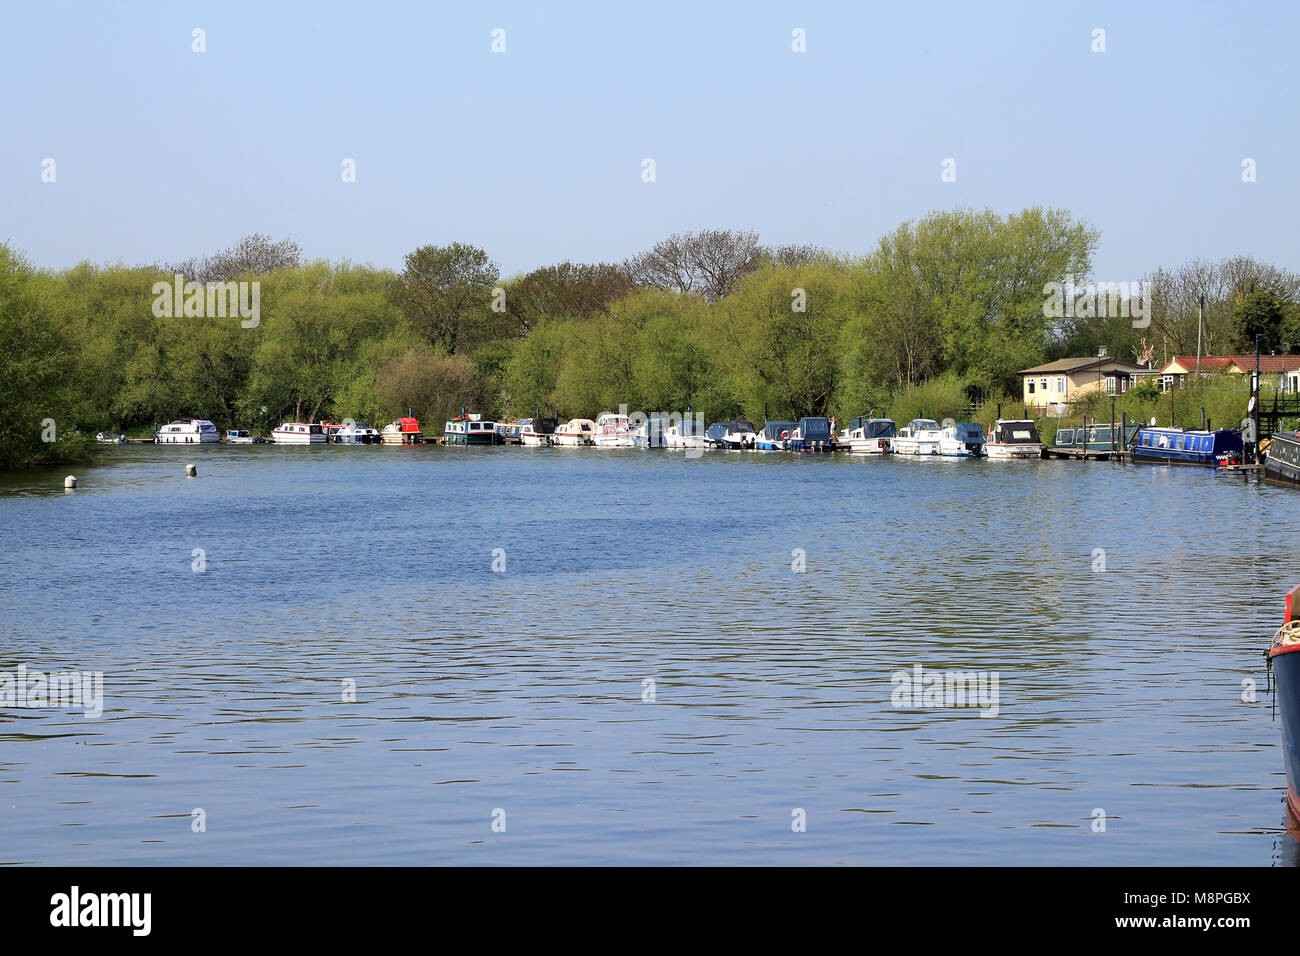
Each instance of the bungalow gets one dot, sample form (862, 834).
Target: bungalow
(1067, 380)
(1280, 371)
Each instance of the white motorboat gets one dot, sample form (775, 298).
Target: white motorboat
(1014, 438)
(576, 432)
(869, 436)
(239, 436)
(962, 440)
(356, 433)
(688, 433)
(298, 433)
(538, 431)
(614, 430)
(775, 436)
(738, 434)
(188, 431)
(105, 439)
(920, 437)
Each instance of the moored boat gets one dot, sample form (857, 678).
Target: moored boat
(738, 435)
(613, 430)
(470, 430)
(298, 433)
(1282, 463)
(1284, 661)
(919, 437)
(356, 433)
(1013, 438)
(713, 435)
(1073, 441)
(188, 431)
(511, 433)
(404, 431)
(869, 436)
(774, 436)
(813, 433)
(575, 433)
(962, 440)
(688, 433)
(1160, 445)
(240, 436)
(651, 433)
(106, 439)
(538, 431)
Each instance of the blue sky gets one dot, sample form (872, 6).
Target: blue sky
(536, 153)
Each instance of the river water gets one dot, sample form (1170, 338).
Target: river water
(308, 658)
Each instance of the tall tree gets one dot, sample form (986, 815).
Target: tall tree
(446, 295)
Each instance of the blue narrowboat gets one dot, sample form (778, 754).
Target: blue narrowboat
(1284, 661)
(1184, 446)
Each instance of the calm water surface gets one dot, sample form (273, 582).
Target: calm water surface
(479, 692)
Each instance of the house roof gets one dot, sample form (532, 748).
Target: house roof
(1268, 364)
(1181, 364)
(1081, 364)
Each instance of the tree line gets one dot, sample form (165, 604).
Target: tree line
(944, 310)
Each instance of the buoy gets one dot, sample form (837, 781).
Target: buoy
(191, 471)
(70, 481)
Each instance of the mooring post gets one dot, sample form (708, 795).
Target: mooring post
(1112, 428)
(1123, 436)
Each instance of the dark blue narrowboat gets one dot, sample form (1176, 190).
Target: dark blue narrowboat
(1284, 661)
(1184, 446)
(1283, 460)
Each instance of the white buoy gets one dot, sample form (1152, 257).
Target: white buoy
(191, 471)
(70, 481)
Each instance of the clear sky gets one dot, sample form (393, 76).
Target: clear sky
(536, 153)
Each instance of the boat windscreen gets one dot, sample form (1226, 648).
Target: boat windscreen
(1023, 433)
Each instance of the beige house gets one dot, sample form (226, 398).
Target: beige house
(1056, 384)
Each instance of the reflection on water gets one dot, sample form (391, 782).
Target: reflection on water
(628, 575)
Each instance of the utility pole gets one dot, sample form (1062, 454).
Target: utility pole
(1200, 323)
(1254, 399)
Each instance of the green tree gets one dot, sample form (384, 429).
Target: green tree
(446, 294)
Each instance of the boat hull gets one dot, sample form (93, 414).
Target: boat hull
(870, 446)
(474, 438)
(174, 439)
(915, 446)
(1006, 452)
(1170, 457)
(295, 438)
(1285, 661)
